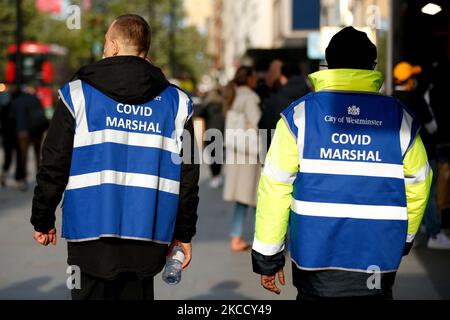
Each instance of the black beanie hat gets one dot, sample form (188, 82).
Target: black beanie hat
(351, 49)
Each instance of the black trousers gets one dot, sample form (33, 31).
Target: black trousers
(9, 144)
(377, 297)
(125, 287)
(23, 143)
(215, 167)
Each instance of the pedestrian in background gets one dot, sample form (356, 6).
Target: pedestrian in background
(408, 91)
(7, 132)
(213, 113)
(348, 173)
(241, 179)
(111, 146)
(440, 107)
(293, 87)
(30, 125)
(269, 85)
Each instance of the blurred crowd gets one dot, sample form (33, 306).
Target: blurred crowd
(23, 124)
(424, 92)
(251, 101)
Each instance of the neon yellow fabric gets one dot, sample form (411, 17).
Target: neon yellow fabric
(416, 194)
(347, 79)
(274, 198)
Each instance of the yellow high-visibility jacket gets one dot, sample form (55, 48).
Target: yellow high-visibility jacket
(275, 197)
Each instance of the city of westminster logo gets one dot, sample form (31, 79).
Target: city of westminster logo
(354, 111)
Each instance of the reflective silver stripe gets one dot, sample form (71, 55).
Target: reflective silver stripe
(405, 132)
(182, 116)
(337, 268)
(85, 138)
(278, 174)
(299, 120)
(79, 104)
(115, 236)
(352, 168)
(419, 176)
(338, 210)
(123, 179)
(123, 137)
(410, 238)
(267, 249)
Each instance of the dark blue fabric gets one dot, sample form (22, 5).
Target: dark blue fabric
(324, 242)
(385, 138)
(65, 93)
(118, 210)
(123, 158)
(350, 189)
(124, 211)
(99, 106)
(288, 114)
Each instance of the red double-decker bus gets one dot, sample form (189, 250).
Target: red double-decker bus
(43, 66)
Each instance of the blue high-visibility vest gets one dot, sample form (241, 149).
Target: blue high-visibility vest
(125, 170)
(349, 210)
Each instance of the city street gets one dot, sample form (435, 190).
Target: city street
(28, 271)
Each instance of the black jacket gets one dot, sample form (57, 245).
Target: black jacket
(130, 80)
(416, 103)
(439, 101)
(273, 106)
(28, 114)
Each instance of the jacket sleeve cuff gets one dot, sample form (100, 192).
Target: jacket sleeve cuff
(185, 238)
(267, 265)
(43, 227)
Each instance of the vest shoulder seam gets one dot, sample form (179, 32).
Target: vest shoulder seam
(297, 102)
(61, 96)
(286, 122)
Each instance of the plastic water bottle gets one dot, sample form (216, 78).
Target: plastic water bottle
(172, 270)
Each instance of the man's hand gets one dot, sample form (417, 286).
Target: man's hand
(187, 250)
(45, 238)
(269, 282)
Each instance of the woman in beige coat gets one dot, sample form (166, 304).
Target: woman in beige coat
(241, 180)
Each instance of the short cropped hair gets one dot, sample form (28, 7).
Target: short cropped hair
(135, 31)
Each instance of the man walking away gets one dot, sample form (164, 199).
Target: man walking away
(30, 124)
(348, 172)
(114, 146)
(294, 87)
(7, 132)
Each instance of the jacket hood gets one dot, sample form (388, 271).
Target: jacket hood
(127, 79)
(347, 80)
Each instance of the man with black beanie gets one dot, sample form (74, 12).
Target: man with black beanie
(351, 49)
(348, 175)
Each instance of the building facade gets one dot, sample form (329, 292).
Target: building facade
(265, 24)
